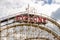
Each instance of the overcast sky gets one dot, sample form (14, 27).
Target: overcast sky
(48, 7)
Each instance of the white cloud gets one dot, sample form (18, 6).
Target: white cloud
(8, 7)
(58, 1)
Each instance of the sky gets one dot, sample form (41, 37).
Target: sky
(47, 7)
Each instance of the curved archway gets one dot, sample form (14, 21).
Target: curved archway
(41, 27)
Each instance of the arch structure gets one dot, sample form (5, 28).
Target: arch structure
(25, 26)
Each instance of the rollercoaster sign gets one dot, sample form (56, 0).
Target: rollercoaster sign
(31, 18)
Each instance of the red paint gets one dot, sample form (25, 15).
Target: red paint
(31, 19)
